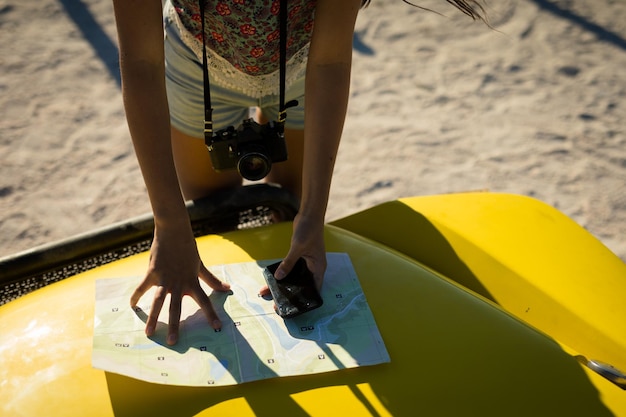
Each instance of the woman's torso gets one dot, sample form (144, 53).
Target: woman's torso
(246, 32)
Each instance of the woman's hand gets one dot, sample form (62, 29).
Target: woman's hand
(175, 267)
(329, 63)
(307, 242)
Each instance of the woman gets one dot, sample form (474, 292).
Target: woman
(168, 142)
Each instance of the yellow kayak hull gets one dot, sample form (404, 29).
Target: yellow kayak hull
(453, 351)
(520, 253)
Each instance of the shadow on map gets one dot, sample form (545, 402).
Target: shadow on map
(270, 396)
(326, 328)
(207, 335)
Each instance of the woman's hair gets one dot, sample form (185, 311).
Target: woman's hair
(472, 8)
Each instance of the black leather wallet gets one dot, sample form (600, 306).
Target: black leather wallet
(296, 293)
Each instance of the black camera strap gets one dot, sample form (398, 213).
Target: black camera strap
(208, 109)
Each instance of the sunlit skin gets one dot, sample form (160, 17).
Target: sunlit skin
(175, 267)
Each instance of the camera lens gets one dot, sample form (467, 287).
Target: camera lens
(254, 166)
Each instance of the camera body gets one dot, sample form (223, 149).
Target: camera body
(250, 148)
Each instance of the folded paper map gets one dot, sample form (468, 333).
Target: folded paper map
(254, 342)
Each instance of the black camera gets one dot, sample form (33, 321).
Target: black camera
(251, 148)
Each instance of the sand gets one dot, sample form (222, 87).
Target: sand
(439, 104)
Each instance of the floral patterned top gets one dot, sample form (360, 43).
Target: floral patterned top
(242, 39)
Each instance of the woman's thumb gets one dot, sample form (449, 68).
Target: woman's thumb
(284, 268)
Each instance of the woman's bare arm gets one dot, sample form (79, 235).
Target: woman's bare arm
(174, 261)
(327, 93)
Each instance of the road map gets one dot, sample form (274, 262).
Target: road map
(254, 342)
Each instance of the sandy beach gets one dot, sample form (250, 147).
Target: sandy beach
(535, 106)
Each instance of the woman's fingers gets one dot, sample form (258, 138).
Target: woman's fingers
(155, 310)
(176, 300)
(285, 266)
(141, 289)
(207, 308)
(176, 295)
(264, 291)
(212, 281)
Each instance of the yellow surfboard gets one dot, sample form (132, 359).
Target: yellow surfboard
(487, 304)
